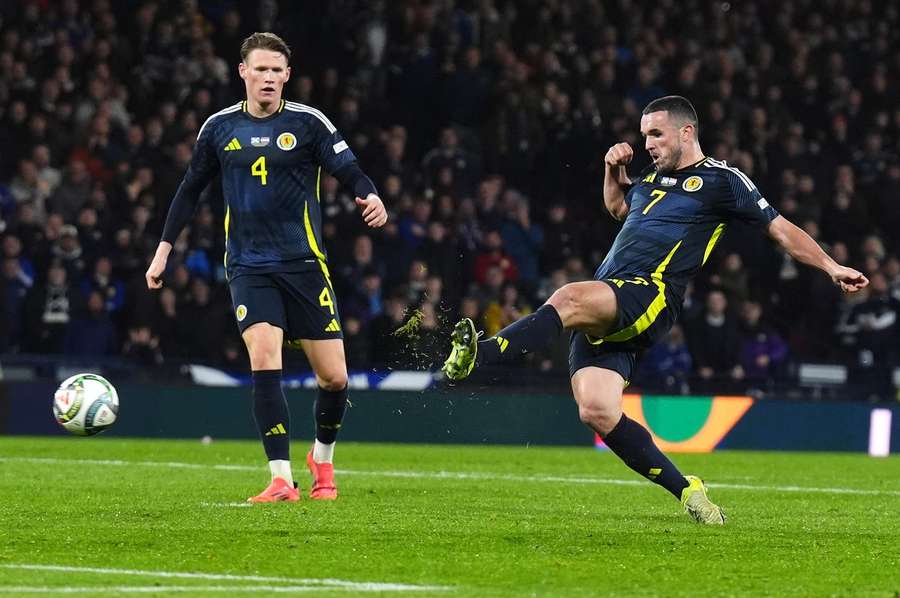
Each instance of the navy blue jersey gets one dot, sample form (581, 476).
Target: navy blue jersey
(270, 168)
(674, 221)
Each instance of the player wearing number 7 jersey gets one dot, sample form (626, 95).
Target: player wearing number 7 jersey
(270, 154)
(673, 213)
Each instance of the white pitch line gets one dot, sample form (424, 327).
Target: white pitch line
(325, 583)
(455, 475)
(227, 505)
(18, 590)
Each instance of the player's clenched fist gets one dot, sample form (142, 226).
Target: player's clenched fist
(619, 155)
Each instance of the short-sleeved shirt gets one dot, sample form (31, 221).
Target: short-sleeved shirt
(675, 220)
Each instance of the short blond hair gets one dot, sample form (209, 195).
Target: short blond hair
(264, 41)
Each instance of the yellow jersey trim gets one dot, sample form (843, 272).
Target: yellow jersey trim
(712, 242)
(653, 310)
(314, 245)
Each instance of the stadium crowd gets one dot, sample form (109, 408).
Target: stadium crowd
(484, 124)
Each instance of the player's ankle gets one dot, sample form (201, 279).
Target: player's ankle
(281, 468)
(322, 452)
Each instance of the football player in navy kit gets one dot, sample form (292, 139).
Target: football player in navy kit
(673, 214)
(270, 154)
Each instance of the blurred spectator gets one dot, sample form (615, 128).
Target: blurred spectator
(762, 350)
(72, 193)
(28, 188)
(48, 310)
(417, 282)
(732, 278)
(714, 341)
(494, 255)
(14, 284)
(667, 365)
(388, 349)
(414, 226)
(67, 249)
(352, 269)
(12, 249)
(201, 326)
(363, 303)
(101, 280)
(522, 239)
(92, 332)
(504, 310)
(441, 253)
(142, 346)
(561, 238)
(165, 323)
(870, 331)
(449, 156)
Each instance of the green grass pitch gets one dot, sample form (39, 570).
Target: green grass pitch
(106, 516)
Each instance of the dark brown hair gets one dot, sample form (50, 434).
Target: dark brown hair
(679, 108)
(264, 41)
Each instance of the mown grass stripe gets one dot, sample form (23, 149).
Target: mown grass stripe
(457, 475)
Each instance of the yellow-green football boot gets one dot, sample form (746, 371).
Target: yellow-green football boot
(697, 504)
(464, 342)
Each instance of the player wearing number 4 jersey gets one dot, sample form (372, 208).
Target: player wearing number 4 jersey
(270, 154)
(674, 213)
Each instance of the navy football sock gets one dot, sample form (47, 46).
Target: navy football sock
(531, 333)
(632, 443)
(270, 409)
(329, 411)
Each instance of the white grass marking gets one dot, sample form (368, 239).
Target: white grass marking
(227, 505)
(325, 583)
(455, 475)
(19, 590)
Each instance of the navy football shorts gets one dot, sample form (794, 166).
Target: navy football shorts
(300, 303)
(644, 314)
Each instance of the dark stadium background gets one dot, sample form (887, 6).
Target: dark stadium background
(484, 126)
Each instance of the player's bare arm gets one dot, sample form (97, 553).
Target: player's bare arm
(804, 249)
(616, 180)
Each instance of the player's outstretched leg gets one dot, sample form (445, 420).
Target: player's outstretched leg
(533, 332)
(598, 392)
(272, 417)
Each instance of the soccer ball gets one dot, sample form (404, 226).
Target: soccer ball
(85, 404)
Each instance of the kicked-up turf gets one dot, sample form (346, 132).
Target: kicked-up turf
(104, 516)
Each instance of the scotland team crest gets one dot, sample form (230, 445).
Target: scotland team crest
(286, 142)
(692, 184)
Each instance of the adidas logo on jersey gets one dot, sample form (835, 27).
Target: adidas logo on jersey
(333, 326)
(234, 144)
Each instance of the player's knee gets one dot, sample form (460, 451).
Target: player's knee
(264, 356)
(566, 301)
(599, 416)
(332, 381)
